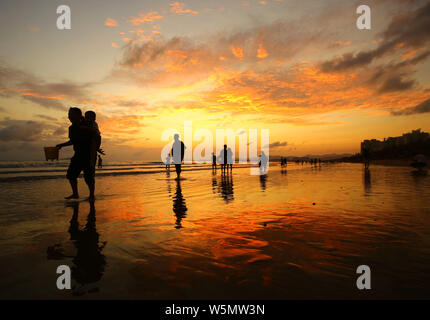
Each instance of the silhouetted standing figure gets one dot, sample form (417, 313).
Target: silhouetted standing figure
(178, 152)
(365, 153)
(213, 161)
(179, 205)
(224, 158)
(230, 159)
(263, 163)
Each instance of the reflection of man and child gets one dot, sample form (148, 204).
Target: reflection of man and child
(88, 262)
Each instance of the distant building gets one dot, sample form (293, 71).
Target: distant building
(408, 144)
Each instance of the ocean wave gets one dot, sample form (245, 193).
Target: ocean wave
(109, 172)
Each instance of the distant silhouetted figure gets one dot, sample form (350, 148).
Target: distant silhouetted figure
(263, 162)
(284, 162)
(213, 161)
(100, 162)
(224, 159)
(420, 162)
(178, 152)
(230, 159)
(365, 153)
(168, 161)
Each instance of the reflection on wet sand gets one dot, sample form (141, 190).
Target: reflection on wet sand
(303, 237)
(179, 205)
(226, 189)
(89, 262)
(263, 180)
(367, 181)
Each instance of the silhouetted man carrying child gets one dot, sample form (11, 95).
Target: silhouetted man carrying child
(82, 137)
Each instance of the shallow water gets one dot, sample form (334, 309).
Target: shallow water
(295, 234)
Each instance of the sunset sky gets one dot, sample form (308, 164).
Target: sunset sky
(301, 69)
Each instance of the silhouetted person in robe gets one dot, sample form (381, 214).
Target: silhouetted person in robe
(263, 162)
(178, 152)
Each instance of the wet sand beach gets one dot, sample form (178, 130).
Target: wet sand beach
(299, 234)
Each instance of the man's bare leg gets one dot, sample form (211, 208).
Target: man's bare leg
(91, 188)
(74, 185)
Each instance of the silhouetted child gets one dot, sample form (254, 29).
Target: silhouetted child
(100, 163)
(90, 121)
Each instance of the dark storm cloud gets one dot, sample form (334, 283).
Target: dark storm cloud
(20, 130)
(45, 102)
(278, 144)
(410, 30)
(396, 84)
(423, 107)
(45, 117)
(15, 82)
(395, 76)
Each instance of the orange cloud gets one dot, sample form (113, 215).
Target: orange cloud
(261, 53)
(179, 8)
(148, 17)
(140, 35)
(237, 52)
(111, 22)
